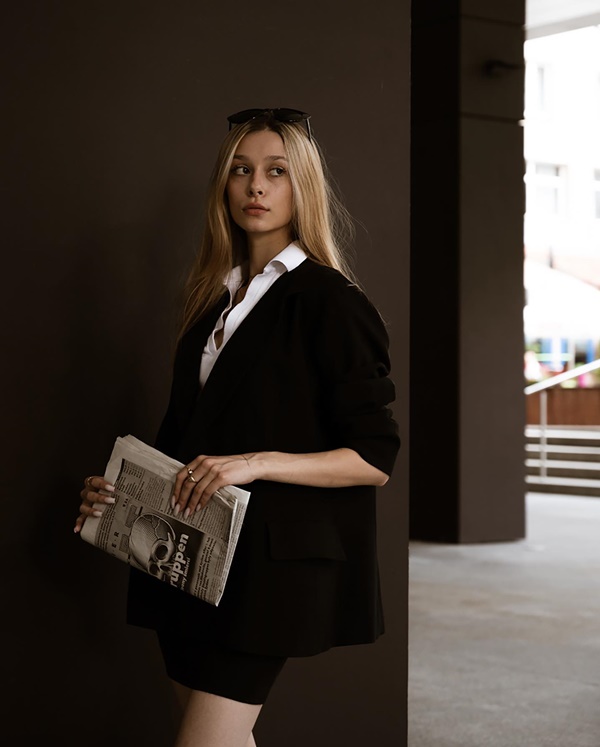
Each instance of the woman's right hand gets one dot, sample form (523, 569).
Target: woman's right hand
(90, 495)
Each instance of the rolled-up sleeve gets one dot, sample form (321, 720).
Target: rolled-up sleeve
(352, 358)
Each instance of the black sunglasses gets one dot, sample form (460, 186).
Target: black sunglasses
(281, 115)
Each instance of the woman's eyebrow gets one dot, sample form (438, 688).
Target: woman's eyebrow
(267, 158)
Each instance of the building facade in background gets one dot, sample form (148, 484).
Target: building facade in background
(562, 220)
(562, 152)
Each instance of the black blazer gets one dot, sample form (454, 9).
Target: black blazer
(306, 371)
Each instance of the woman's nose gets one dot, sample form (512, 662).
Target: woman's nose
(255, 187)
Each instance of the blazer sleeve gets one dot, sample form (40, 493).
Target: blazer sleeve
(352, 358)
(169, 432)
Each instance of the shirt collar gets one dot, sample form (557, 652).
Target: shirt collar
(290, 257)
(286, 261)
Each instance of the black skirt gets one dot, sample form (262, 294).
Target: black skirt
(213, 668)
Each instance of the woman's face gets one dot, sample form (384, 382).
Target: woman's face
(259, 187)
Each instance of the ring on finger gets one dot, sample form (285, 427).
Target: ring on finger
(191, 475)
(88, 482)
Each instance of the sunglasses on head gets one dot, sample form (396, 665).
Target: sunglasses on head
(290, 116)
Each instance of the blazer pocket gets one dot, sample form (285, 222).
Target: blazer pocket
(302, 540)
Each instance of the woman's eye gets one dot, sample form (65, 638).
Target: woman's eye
(240, 170)
(277, 171)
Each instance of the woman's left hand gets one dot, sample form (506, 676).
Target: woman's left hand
(202, 477)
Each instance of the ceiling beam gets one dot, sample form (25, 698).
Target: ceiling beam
(532, 31)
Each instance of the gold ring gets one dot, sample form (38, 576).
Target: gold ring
(191, 477)
(88, 482)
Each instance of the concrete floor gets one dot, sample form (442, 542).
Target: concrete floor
(505, 638)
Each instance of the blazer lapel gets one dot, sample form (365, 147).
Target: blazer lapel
(239, 355)
(191, 354)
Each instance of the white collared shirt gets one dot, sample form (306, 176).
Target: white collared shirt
(288, 259)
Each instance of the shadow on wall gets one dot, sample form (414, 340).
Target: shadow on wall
(102, 315)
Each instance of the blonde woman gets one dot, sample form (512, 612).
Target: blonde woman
(281, 386)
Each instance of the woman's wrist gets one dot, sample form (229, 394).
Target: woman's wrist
(279, 466)
(260, 463)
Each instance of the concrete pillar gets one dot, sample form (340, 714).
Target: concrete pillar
(467, 403)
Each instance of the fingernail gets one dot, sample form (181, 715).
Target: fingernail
(172, 501)
(110, 488)
(177, 508)
(76, 529)
(109, 500)
(186, 513)
(97, 514)
(199, 507)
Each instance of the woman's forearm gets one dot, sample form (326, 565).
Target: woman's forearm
(339, 468)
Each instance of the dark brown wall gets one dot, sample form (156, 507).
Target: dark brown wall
(116, 110)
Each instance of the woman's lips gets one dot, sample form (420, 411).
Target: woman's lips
(255, 209)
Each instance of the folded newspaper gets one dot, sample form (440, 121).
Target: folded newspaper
(192, 554)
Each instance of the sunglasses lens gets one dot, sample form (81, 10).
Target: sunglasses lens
(290, 115)
(245, 116)
(281, 115)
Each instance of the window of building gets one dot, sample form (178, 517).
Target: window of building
(541, 87)
(546, 189)
(538, 81)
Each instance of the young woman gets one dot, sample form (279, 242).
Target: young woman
(280, 386)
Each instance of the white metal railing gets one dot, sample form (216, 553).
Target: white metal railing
(542, 387)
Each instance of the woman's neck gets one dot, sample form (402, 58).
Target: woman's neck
(263, 247)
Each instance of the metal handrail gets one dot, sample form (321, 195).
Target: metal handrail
(542, 387)
(559, 378)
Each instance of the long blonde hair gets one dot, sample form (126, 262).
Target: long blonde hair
(321, 225)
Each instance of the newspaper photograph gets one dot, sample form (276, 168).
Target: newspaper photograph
(141, 528)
